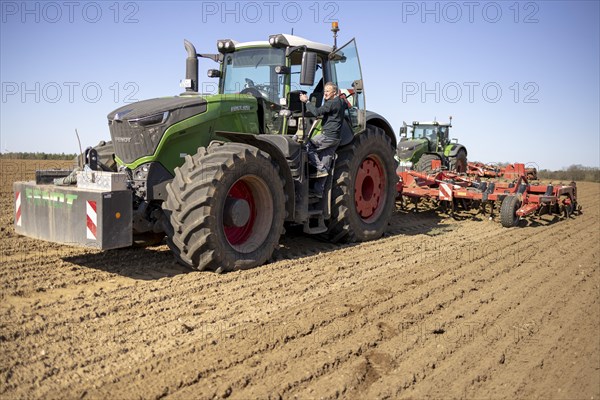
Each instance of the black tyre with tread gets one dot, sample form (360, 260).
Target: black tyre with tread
(424, 163)
(198, 233)
(508, 211)
(364, 188)
(458, 163)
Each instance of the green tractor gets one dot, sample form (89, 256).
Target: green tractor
(429, 142)
(219, 175)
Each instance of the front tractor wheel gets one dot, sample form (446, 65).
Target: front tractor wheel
(226, 208)
(364, 189)
(424, 164)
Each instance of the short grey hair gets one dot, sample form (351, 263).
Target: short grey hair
(332, 85)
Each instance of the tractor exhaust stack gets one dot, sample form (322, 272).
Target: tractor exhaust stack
(191, 68)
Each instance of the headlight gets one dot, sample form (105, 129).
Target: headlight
(149, 120)
(141, 173)
(226, 45)
(278, 40)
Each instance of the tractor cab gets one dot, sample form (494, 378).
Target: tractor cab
(276, 72)
(435, 133)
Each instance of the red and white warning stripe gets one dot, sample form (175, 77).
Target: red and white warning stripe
(92, 219)
(18, 208)
(446, 191)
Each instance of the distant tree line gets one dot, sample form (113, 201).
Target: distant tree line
(37, 156)
(575, 173)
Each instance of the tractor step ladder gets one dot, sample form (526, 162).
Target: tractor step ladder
(315, 223)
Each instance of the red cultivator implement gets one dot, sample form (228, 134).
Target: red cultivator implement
(518, 198)
(511, 171)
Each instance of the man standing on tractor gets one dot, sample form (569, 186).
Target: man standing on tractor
(322, 147)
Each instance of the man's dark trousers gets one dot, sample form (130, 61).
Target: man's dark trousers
(321, 150)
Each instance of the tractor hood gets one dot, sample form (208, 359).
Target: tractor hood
(136, 129)
(408, 149)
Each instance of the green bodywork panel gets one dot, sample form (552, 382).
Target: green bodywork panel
(317, 130)
(448, 149)
(419, 151)
(418, 148)
(224, 112)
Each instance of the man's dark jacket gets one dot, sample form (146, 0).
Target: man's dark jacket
(333, 115)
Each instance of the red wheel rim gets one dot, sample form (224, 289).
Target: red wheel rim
(369, 188)
(234, 234)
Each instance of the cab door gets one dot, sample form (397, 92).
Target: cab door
(346, 73)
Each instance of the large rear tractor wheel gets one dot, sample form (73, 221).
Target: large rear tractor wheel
(106, 157)
(225, 208)
(364, 188)
(424, 163)
(508, 211)
(459, 162)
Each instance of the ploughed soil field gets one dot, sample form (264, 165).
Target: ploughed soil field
(437, 308)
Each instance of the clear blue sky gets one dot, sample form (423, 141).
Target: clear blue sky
(521, 79)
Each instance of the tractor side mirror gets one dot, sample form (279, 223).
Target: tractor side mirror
(403, 132)
(308, 68)
(358, 85)
(214, 73)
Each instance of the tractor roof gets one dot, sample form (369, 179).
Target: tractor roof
(293, 41)
(436, 123)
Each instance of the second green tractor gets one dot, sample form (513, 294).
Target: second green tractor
(428, 144)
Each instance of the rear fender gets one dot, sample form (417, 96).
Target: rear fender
(452, 149)
(380, 122)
